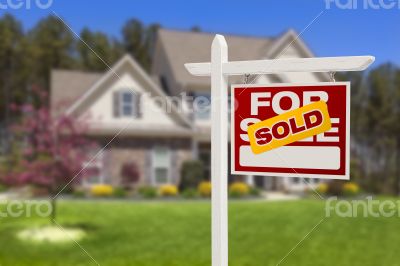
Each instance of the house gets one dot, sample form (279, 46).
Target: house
(151, 118)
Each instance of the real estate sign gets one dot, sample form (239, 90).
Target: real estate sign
(299, 130)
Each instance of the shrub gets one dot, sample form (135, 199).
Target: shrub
(350, 189)
(119, 192)
(191, 174)
(168, 191)
(238, 189)
(255, 191)
(189, 193)
(204, 189)
(335, 187)
(3, 188)
(129, 173)
(78, 193)
(101, 190)
(322, 188)
(148, 192)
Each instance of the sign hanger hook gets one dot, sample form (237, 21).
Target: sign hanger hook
(332, 76)
(246, 78)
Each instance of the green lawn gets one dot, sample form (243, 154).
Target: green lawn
(178, 233)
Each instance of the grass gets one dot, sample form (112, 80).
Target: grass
(178, 234)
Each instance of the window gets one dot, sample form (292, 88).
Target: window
(296, 180)
(202, 106)
(93, 171)
(92, 176)
(161, 164)
(126, 104)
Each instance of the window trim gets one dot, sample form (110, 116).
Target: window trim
(153, 167)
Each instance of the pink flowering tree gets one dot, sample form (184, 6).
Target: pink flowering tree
(51, 150)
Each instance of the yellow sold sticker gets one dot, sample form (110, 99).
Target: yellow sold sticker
(289, 127)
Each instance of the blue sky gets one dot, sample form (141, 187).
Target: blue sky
(336, 32)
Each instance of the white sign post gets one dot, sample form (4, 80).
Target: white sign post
(219, 152)
(219, 69)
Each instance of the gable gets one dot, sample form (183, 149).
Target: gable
(290, 45)
(293, 51)
(96, 104)
(101, 107)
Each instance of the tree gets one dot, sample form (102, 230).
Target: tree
(11, 69)
(192, 173)
(52, 45)
(101, 51)
(51, 150)
(138, 40)
(195, 29)
(375, 103)
(381, 122)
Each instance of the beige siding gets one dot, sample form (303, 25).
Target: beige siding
(102, 108)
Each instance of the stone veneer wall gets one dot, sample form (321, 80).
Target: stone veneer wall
(139, 150)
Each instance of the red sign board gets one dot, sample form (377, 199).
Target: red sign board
(324, 155)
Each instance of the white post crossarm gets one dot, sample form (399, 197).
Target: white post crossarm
(273, 66)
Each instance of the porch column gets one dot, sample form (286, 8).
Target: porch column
(250, 180)
(195, 149)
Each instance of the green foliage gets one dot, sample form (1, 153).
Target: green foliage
(375, 98)
(255, 192)
(12, 65)
(11, 164)
(138, 40)
(192, 173)
(119, 192)
(107, 50)
(27, 57)
(52, 45)
(3, 188)
(78, 193)
(148, 192)
(189, 193)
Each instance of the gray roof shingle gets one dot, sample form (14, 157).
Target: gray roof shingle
(190, 47)
(67, 86)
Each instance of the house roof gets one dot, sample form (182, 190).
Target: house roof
(180, 47)
(185, 47)
(67, 86)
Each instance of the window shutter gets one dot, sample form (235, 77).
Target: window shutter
(138, 105)
(116, 104)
